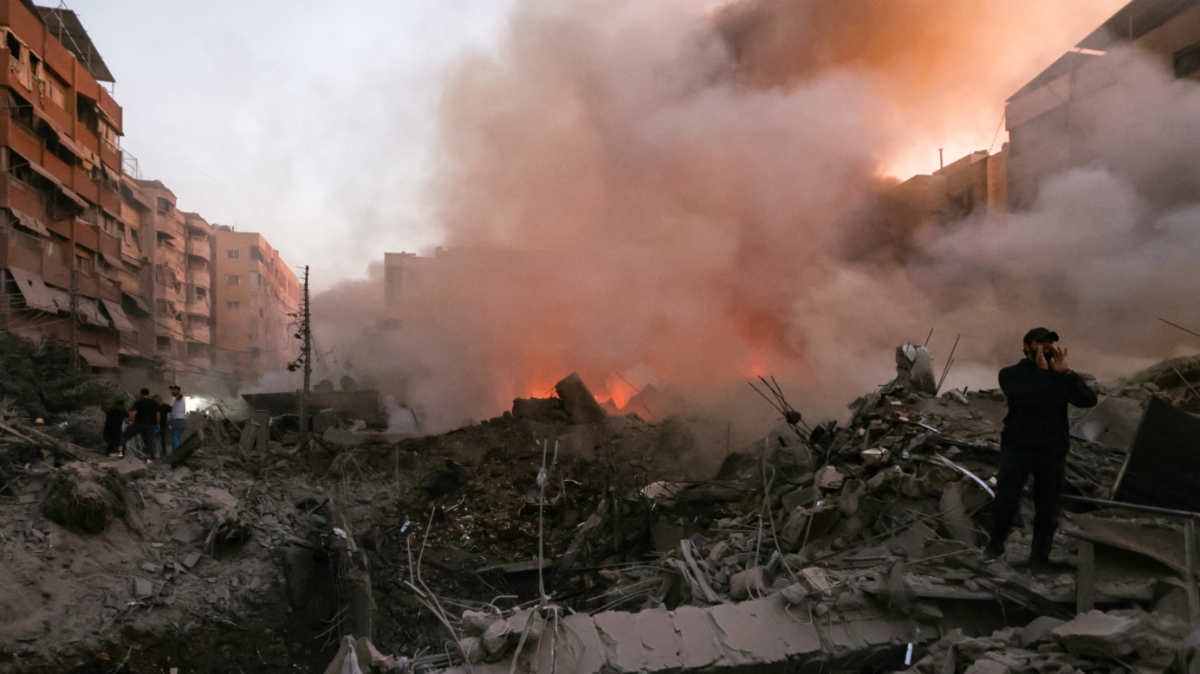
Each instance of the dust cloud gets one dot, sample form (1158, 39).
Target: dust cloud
(646, 193)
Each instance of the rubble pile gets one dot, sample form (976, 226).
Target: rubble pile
(560, 537)
(861, 542)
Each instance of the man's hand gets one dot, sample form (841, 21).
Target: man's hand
(1059, 360)
(1039, 356)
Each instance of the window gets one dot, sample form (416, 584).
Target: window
(1187, 60)
(163, 206)
(233, 304)
(233, 253)
(85, 110)
(164, 343)
(202, 294)
(231, 279)
(255, 254)
(256, 280)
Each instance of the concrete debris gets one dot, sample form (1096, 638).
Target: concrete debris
(1097, 633)
(821, 547)
(578, 401)
(914, 369)
(829, 478)
(1164, 459)
(84, 499)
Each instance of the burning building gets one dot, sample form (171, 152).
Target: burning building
(1087, 90)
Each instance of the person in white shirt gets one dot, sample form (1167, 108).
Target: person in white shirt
(178, 416)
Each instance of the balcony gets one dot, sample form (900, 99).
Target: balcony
(88, 140)
(23, 140)
(59, 168)
(87, 236)
(169, 292)
(110, 201)
(111, 156)
(112, 110)
(25, 198)
(199, 307)
(198, 332)
(130, 250)
(199, 250)
(59, 58)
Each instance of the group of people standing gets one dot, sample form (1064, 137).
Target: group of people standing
(159, 424)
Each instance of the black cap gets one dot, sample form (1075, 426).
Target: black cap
(1041, 335)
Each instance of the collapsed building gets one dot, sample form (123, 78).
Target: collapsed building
(558, 537)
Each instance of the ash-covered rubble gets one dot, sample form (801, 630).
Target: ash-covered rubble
(557, 537)
(856, 548)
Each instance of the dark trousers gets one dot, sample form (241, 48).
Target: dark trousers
(149, 436)
(1016, 464)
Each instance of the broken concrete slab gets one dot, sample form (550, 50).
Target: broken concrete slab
(802, 496)
(914, 369)
(1039, 630)
(763, 632)
(578, 401)
(1112, 423)
(582, 650)
(699, 638)
(829, 478)
(1164, 460)
(1097, 633)
(987, 666)
(630, 649)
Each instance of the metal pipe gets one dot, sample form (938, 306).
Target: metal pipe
(1131, 506)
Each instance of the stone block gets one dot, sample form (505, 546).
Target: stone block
(829, 478)
(1097, 633)
(1038, 630)
(699, 639)
(761, 632)
(578, 648)
(988, 666)
(639, 642)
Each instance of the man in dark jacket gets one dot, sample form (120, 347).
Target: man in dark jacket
(114, 421)
(1035, 439)
(143, 422)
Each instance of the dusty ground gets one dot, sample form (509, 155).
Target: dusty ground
(152, 590)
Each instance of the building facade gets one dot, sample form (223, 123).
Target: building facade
(89, 254)
(256, 298)
(66, 252)
(972, 185)
(1050, 118)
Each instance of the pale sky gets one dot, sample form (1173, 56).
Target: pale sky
(310, 122)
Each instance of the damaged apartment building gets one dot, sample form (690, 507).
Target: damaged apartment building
(1048, 118)
(90, 253)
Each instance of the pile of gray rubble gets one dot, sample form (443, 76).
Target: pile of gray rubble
(855, 547)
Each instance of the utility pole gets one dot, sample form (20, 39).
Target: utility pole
(305, 355)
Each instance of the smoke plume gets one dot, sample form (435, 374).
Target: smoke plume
(649, 194)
